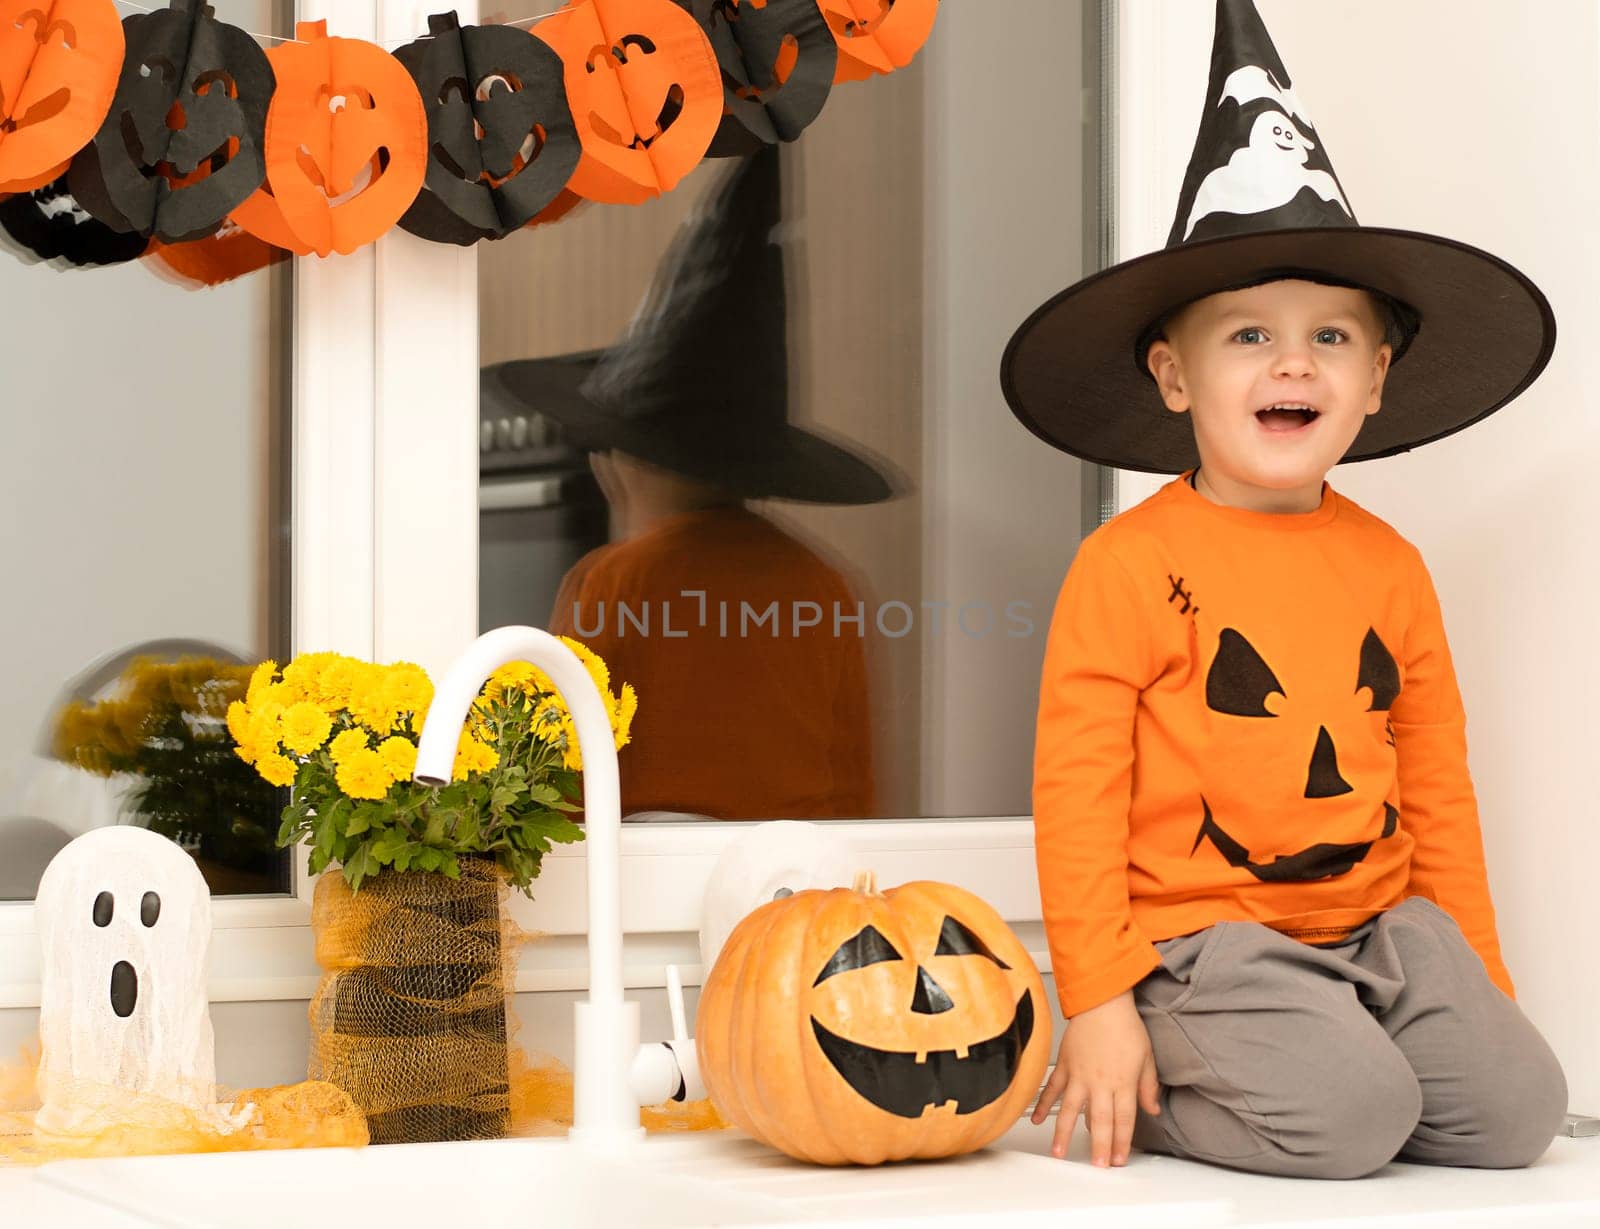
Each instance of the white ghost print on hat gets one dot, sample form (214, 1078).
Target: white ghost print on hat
(1271, 168)
(124, 921)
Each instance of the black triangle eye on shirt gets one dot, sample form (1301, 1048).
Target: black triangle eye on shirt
(1240, 680)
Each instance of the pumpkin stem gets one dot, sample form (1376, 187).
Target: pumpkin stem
(865, 882)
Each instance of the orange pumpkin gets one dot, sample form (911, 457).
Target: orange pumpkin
(346, 145)
(851, 1026)
(59, 62)
(877, 36)
(645, 91)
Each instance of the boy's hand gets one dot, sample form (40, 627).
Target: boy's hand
(1106, 1066)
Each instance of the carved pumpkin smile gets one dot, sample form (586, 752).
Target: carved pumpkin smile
(906, 1084)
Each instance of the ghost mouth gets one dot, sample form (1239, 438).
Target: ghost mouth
(896, 1082)
(1320, 861)
(124, 989)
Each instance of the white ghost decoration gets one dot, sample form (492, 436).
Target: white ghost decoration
(1266, 173)
(124, 921)
(1251, 82)
(775, 858)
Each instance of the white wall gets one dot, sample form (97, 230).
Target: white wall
(1476, 120)
(1004, 231)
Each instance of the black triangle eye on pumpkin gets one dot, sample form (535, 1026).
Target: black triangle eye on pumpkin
(866, 946)
(182, 144)
(502, 143)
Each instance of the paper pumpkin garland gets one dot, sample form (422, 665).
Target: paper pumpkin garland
(877, 36)
(645, 90)
(502, 143)
(182, 145)
(346, 145)
(49, 223)
(172, 127)
(777, 58)
(58, 73)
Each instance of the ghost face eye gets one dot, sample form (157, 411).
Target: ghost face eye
(150, 908)
(104, 906)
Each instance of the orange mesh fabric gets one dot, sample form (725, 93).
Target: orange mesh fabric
(410, 1015)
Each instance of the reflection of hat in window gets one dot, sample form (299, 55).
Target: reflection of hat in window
(699, 384)
(1259, 202)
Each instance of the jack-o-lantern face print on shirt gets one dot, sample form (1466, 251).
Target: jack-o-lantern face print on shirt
(1291, 738)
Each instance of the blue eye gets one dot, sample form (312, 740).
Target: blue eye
(1242, 332)
(1336, 332)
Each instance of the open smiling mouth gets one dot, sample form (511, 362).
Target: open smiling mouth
(1320, 861)
(897, 1082)
(1285, 420)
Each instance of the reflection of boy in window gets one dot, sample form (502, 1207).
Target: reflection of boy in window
(752, 683)
(754, 721)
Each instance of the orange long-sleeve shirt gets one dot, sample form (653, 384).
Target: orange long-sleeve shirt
(1247, 716)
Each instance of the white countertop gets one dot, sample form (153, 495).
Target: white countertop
(1016, 1178)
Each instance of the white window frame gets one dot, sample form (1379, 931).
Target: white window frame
(384, 559)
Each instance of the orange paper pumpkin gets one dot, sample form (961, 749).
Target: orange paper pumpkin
(855, 1027)
(231, 252)
(346, 145)
(877, 36)
(645, 90)
(59, 61)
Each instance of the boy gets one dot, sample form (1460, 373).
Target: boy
(1258, 844)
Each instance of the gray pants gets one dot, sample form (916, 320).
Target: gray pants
(1280, 1057)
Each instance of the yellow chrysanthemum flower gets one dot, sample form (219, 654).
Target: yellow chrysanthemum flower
(239, 725)
(407, 688)
(304, 674)
(592, 663)
(399, 756)
(622, 715)
(277, 769)
(340, 679)
(347, 744)
(473, 756)
(260, 679)
(305, 727)
(362, 775)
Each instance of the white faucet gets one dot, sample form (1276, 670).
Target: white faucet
(612, 1074)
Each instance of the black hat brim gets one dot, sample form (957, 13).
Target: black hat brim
(1071, 375)
(778, 462)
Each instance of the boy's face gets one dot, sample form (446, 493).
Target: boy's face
(1229, 356)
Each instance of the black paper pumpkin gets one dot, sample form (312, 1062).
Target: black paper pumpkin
(501, 138)
(181, 147)
(49, 223)
(777, 59)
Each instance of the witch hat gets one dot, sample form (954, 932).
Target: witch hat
(699, 384)
(1261, 201)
